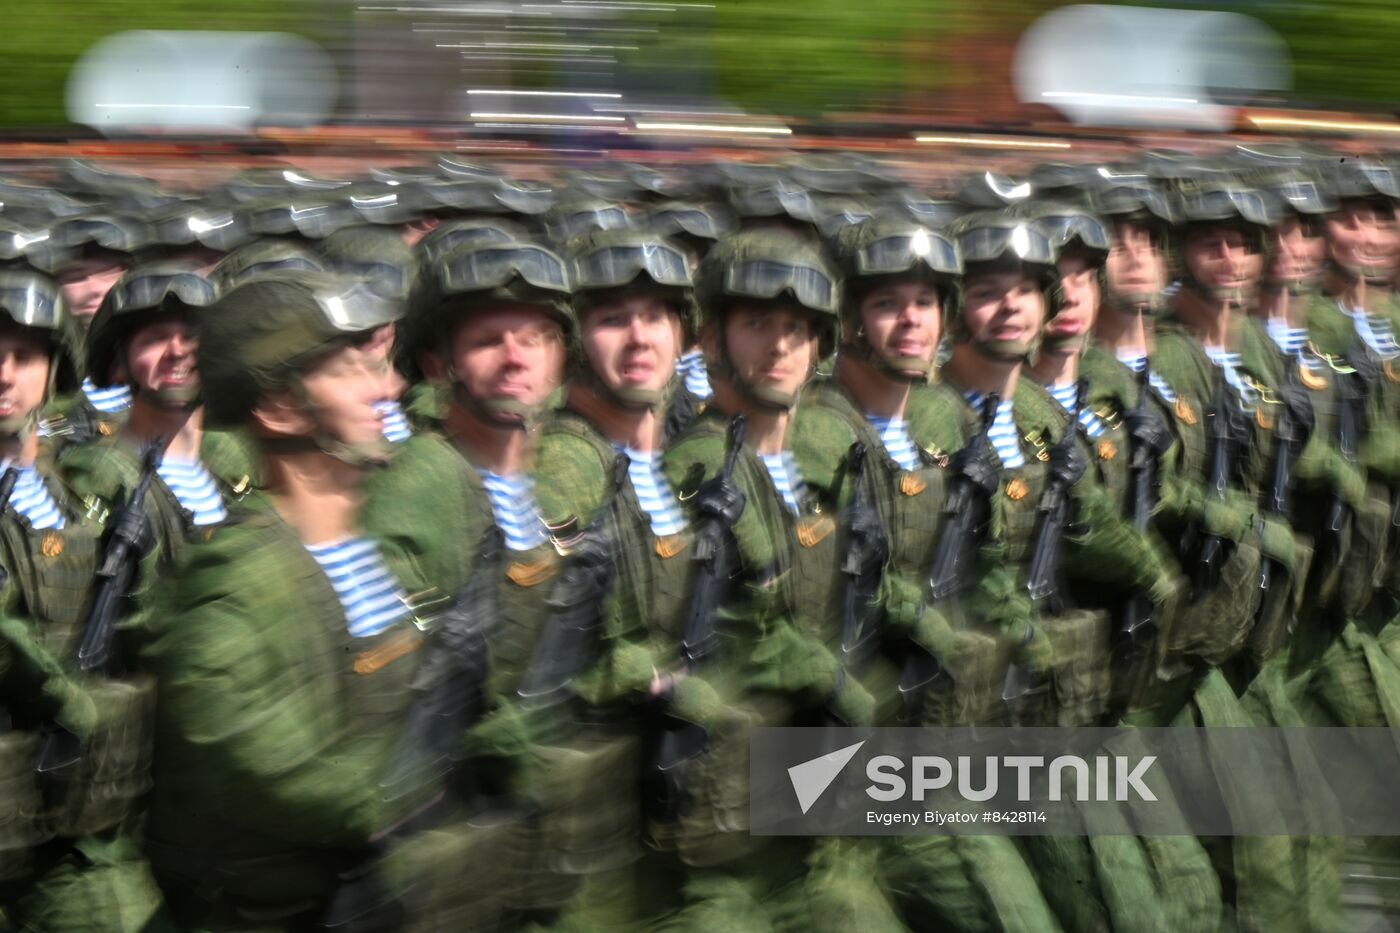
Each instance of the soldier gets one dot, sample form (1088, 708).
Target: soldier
(291, 655)
(634, 302)
(379, 256)
(73, 861)
(769, 305)
(489, 326)
(145, 334)
(87, 255)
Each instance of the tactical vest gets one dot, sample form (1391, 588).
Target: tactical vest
(51, 573)
(1220, 621)
(520, 597)
(220, 869)
(1334, 333)
(1111, 396)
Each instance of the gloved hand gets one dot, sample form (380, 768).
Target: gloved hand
(1298, 402)
(720, 498)
(1068, 463)
(131, 524)
(978, 463)
(1148, 429)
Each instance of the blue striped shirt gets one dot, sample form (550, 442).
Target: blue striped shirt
(194, 488)
(111, 399)
(894, 434)
(1229, 364)
(1288, 339)
(396, 426)
(31, 498)
(1003, 433)
(513, 504)
(653, 492)
(1137, 362)
(1065, 394)
(782, 468)
(1376, 331)
(691, 367)
(372, 598)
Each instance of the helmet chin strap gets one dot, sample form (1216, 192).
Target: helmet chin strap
(764, 397)
(909, 369)
(502, 412)
(361, 455)
(629, 399)
(1373, 275)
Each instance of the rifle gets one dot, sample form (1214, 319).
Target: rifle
(1138, 629)
(866, 551)
(1350, 415)
(1290, 440)
(115, 574)
(450, 690)
(1043, 581)
(713, 552)
(7, 488)
(570, 640)
(675, 741)
(1206, 572)
(963, 512)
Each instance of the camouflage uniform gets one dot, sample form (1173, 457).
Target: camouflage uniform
(70, 855)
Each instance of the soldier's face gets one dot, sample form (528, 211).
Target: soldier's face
(24, 375)
(509, 352)
(341, 389)
(1079, 301)
(633, 342)
(903, 319)
(85, 283)
(1135, 265)
(1297, 250)
(1223, 257)
(1005, 310)
(771, 347)
(160, 358)
(1361, 236)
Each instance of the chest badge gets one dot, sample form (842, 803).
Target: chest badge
(1388, 367)
(1016, 489)
(530, 572)
(1310, 378)
(52, 545)
(668, 546)
(911, 484)
(1107, 450)
(813, 529)
(1184, 411)
(1264, 421)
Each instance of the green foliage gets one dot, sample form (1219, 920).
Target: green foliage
(42, 39)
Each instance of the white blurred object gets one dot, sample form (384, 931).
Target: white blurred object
(152, 80)
(1133, 66)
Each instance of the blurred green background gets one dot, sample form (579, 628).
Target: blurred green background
(785, 56)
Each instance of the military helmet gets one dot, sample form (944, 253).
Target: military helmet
(261, 334)
(67, 241)
(1292, 190)
(142, 293)
(575, 217)
(32, 302)
(452, 235)
(614, 263)
(1361, 180)
(217, 227)
(1070, 227)
(313, 214)
(1132, 200)
(779, 200)
(261, 257)
(893, 249)
(690, 220)
(990, 190)
(1000, 241)
(479, 275)
(620, 261)
(376, 254)
(768, 266)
